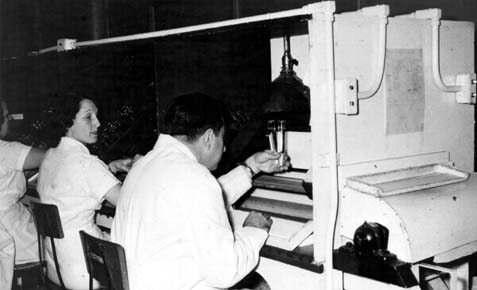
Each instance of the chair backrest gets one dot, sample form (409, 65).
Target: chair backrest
(47, 220)
(48, 224)
(105, 261)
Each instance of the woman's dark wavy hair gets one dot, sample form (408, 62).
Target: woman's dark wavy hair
(65, 108)
(192, 114)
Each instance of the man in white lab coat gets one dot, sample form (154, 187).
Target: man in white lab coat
(171, 216)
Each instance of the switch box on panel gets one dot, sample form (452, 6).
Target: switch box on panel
(467, 94)
(346, 96)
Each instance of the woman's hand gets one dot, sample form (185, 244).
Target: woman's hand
(120, 165)
(123, 164)
(268, 161)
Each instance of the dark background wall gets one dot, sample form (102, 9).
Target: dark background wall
(133, 82)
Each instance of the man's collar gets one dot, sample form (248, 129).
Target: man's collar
(167, 141)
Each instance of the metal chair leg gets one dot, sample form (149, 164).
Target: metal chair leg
(57, 265)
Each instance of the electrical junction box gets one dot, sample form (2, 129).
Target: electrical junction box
(346, 92)
(467, 93)
(64, 44)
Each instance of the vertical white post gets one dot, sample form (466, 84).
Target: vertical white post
(323, 134)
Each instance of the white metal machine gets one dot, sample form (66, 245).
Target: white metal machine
(391, 143)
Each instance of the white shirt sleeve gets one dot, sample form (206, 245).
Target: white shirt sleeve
(234, 184)
(224, 256)
(13, 154)
(99, 178)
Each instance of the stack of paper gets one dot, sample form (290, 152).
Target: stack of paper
(285, 234)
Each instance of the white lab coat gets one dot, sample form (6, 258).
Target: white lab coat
(171, 219)
(7, 258)
(16, 222)
(76, 182)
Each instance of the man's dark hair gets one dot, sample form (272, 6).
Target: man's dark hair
(192, 114)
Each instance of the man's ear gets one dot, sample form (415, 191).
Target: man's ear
(208, 138)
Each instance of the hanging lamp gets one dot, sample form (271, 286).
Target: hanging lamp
(289, 97)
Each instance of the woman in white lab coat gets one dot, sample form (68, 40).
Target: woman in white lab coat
(18, 237)
(77, 182)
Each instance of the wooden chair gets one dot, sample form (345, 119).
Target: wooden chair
(105, 261)
(48, 224)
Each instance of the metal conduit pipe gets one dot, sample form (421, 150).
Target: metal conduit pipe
(378, 75)
(381, 12)
(183, 30)
(434, 14)
(436, 71)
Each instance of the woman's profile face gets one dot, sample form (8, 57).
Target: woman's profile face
(85, 125)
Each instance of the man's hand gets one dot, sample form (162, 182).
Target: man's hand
(268, 161)
(258, 220)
